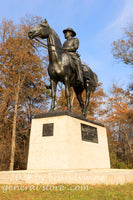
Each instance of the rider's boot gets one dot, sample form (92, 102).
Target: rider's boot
(80, 80)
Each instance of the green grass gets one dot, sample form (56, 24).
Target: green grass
(66, 192)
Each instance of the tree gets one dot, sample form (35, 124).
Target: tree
(123, 111)
(22, 84)
(123, 48)
(118, 120)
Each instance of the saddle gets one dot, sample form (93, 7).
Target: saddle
(74, 57)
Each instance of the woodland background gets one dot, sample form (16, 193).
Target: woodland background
(23, 76)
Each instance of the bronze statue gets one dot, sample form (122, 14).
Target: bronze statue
(65, 65)
(71, 45)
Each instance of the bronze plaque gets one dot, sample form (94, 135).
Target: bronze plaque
(48, 129)
(89, 133)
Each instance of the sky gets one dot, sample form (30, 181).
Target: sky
(97, 23)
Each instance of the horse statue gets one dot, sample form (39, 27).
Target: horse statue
(61, 68)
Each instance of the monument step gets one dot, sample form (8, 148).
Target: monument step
(51, 177)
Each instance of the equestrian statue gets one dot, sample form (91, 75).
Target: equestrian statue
(65, 65)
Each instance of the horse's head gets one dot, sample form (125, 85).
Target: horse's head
(42, 31)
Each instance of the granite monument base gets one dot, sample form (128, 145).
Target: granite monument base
(62, 140)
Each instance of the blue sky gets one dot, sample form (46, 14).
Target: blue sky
(97, 24)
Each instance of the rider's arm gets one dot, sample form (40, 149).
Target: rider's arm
(74, 46)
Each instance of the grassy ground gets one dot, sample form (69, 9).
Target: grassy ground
(66, 192)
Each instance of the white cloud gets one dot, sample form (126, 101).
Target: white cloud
(114, 29)
(124, 17)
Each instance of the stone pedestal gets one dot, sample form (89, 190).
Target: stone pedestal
(65, 141)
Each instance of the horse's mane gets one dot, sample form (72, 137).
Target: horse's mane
(57, 39)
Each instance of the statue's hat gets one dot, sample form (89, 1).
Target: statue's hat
(71, 30)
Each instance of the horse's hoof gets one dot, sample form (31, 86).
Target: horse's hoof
(69, 110)
(83, 115)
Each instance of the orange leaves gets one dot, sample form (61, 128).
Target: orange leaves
(22, 84)
(19, 64)
(120, 111)
(123, 48)
(96, 100)
(123, 41)
(119, 104)
(115, 89)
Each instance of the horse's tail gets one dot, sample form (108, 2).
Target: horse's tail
(89, 75)
(95, 82)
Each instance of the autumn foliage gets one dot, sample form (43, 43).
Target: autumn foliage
(122, 101)
(123, 48)
(22, 91)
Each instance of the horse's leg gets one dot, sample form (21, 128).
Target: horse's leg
(53, 94)
(67, 93)
(79, 97)
(88, 92)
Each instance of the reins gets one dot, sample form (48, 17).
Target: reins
(45, 45)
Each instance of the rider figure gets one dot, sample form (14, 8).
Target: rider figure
(71, 45)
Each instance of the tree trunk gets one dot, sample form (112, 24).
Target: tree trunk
(13, 145)
(128, 142)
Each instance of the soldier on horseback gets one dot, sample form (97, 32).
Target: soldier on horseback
(60, 65)
(70, 46)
